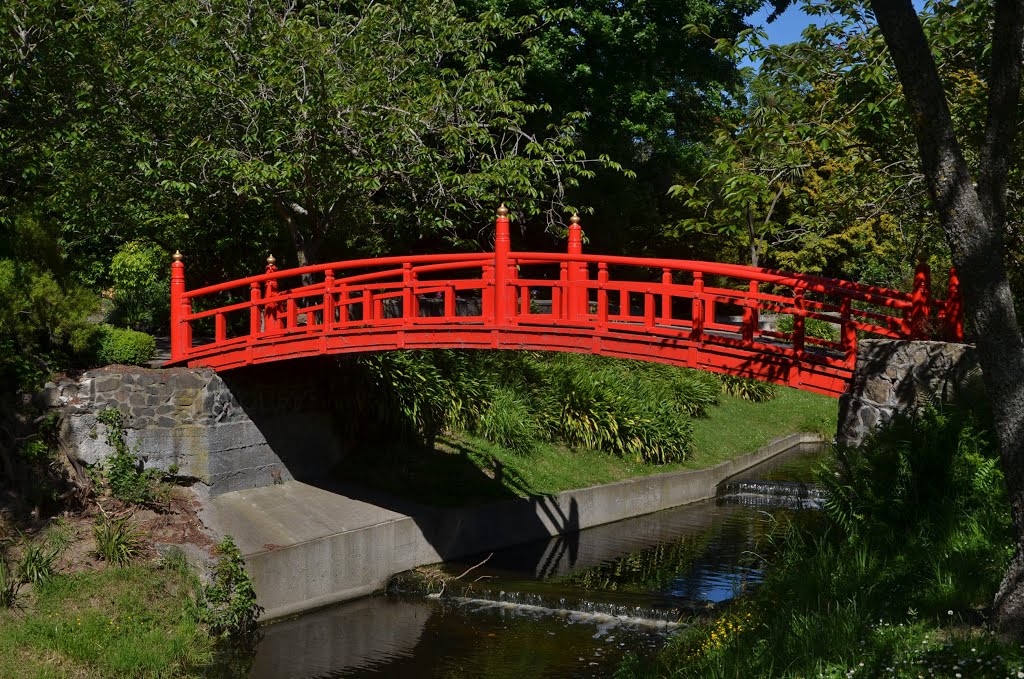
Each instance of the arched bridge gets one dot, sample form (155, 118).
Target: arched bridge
(705, 315)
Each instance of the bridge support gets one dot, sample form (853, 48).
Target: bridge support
(894, 377)
(248, 429)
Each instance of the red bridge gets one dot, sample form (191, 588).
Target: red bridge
(701, 315)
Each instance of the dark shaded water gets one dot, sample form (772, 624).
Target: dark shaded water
(571, 606)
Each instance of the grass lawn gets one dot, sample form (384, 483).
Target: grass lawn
(114, 622)
(468, 470)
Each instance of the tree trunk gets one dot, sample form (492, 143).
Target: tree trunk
(302, 258)
(752, 237)
(971, 218)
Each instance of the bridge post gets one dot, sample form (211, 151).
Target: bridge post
(270, 310)
(408, 298)
(502, 245)
(328, 300)
(915, 320)
(848, 333)
(254, 310)
(799, 323)
(602, 293)
(577, 270)
(178, 334)
(750, 315)
(954, 309)
(666, 296)
(697, 312)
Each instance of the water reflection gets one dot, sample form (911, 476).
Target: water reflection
(359, 635)
(566, 607)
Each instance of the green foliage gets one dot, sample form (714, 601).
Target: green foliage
(915, 538)
(748, 389)
(813, 327)
(652, 88)
(696, 392)
(10, 584)
(603, 406)
(137, 621)
(140, 276)
(229, 601)
(43, 324)
(639, 411)
(124, 347)
(36, 563)
(819, 172)
(509, 422)
(929, 471)
(379, 124)
(117, 542)
(123, 471)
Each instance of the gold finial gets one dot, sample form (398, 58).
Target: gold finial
(177, 256)
(575, 219)
(503, 211)
(271, 260)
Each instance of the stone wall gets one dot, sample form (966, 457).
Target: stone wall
(259, 427)
(898, 376)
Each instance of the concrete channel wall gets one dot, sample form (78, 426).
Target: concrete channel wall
(308, 547)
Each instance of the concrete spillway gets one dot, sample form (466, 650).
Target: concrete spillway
(308, 547)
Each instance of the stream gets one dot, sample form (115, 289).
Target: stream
(571, 606)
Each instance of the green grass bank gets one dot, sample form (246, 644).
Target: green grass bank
(464, 468)
(136, 621)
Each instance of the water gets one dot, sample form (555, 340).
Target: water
(571, 606)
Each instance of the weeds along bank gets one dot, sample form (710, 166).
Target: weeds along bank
(86, 594)
(894, 578)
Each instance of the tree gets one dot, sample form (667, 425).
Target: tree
(821, 168)
(972, 209)
(650, 88)
(352, 127)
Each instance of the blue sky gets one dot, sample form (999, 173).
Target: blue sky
(786, 28)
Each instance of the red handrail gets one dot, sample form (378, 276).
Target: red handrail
(380, 303)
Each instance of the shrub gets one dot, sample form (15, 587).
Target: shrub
(125, 347)
(36, 563)
(509, 422)
(116, 541)
(9, 584)
(600, 406)
(229, 601)
(695, 391)
(748, 389)
(813, 327)
(139, 272)
(914, 541)
(123, 471)
(43, 324)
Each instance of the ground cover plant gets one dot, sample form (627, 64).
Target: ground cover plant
(893, 579)
(516, 424)
(132, 621)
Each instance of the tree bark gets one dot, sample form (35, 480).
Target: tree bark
(752, 237)
(284, 211)
(972, 219)
(302, 251)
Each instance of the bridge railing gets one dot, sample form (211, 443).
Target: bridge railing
(667, 300)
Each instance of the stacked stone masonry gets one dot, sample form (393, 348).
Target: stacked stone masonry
(228, 436)
(897, 376)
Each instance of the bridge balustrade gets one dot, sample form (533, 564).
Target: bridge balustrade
(707, 315)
